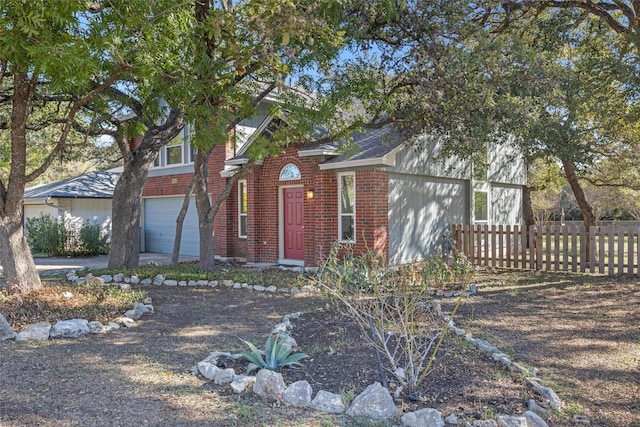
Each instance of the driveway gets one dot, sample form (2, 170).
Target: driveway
(56, 264)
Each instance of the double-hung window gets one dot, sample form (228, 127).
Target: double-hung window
(242, 208)
(174, 151)
(346, 207)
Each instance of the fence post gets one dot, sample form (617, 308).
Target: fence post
(592, 250)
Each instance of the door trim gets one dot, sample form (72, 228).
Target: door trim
(281, 258)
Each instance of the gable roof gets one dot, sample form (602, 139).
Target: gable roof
(92, 185)
(375, 148)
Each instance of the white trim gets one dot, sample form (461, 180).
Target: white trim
(242, 183)
(281, 219)
(480, 189)
(237, 162)
(340, 214)
(318, 152)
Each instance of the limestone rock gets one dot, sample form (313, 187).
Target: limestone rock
(237, 286)
(451, 419)
(484, 346)
(107, 278)
(327, 402)
(90, 279)
(484, 423)
(307, 288)
(127, 322)
(534, 420)
(510, 421)
(298, 394)
(202, 282)
(36, 332)
(73, 328)
(228, 283)
(271, 289)
(213, 283)
(241, 382)
(170, 283)
(374, 402)
(145, 282)
(134, 280)
(552, 397)
(534, 407)
(124, 286)
(67, 295)
(158, 280)
(208, 368)
(113, 325)
(96, 328)
(427, 417)
(294, 290)
(224, 376)
(6, 333)
(182, 283)
(258, 288)
(269, 385)
(118, 277)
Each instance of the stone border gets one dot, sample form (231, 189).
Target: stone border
(299, 393)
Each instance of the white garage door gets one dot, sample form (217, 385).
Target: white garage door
(160, 226)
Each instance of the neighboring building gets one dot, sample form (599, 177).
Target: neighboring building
(83, 199)
(395, 198)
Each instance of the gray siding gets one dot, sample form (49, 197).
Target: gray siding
(421, 209)
(506, 164)
(422, 158)
(506, 205)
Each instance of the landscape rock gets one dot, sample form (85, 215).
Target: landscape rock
(484, 423)
(6, 333)
(158, 280)
(213, 283)
(258, 288)
(237, 286)
(36, 332)
(427, 417)
(124, 286)
(269, 385)
(327, 402)
(118, 277)
(271, 289)
(510, 421)
(107, 278)
(241, 382)
(192, 283)
(127, 322)
(74, 328)
(67, 295)
(224, 376)
(451, 419)
(182, 283)
(534, 407)
(145, 282)
(307, 288)
(134, 280)
(90, 279)
(202, 283)
(298, 394)
(294, 290)
(552, 397)
(228, 283)
(147, 300)
(96, 327)
(484, 346)
(518, 368)
(208, 368)
(170, 283)
(113, 325)
(581, 419)
(374, 402)
(534, 420)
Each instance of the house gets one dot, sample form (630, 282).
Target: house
(393, 197)
(79, 200)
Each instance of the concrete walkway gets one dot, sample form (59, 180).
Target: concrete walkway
(57, 264)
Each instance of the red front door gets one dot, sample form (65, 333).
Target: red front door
(293, 199)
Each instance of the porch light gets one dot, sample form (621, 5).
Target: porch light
(310, 194)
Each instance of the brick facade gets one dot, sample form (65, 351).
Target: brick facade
(264, 190)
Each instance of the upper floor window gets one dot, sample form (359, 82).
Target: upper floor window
(174, 151)
(290, 171)
(346, 207)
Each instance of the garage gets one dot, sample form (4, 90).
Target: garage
(160, 226)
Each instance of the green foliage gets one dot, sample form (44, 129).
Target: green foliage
(276, 355)
(47, 235)
(55, 237)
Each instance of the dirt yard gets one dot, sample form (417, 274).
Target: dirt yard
(582, 333)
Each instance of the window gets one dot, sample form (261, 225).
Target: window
(480, 206)
(289, 172)
(347, 207)
(174, 151)
(242, 208)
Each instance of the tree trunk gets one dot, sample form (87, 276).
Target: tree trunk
(175, 255)
(127, 196)
(203, 205)
(588, 216)
(19, 268)
(527, 210)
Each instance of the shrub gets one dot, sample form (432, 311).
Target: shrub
(276, 355)
(47, 235)
(55, 237)
(394, 307)
(92, 240)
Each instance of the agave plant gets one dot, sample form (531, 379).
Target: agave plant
(276, 355)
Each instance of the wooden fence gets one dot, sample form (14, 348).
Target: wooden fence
(603, 250)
